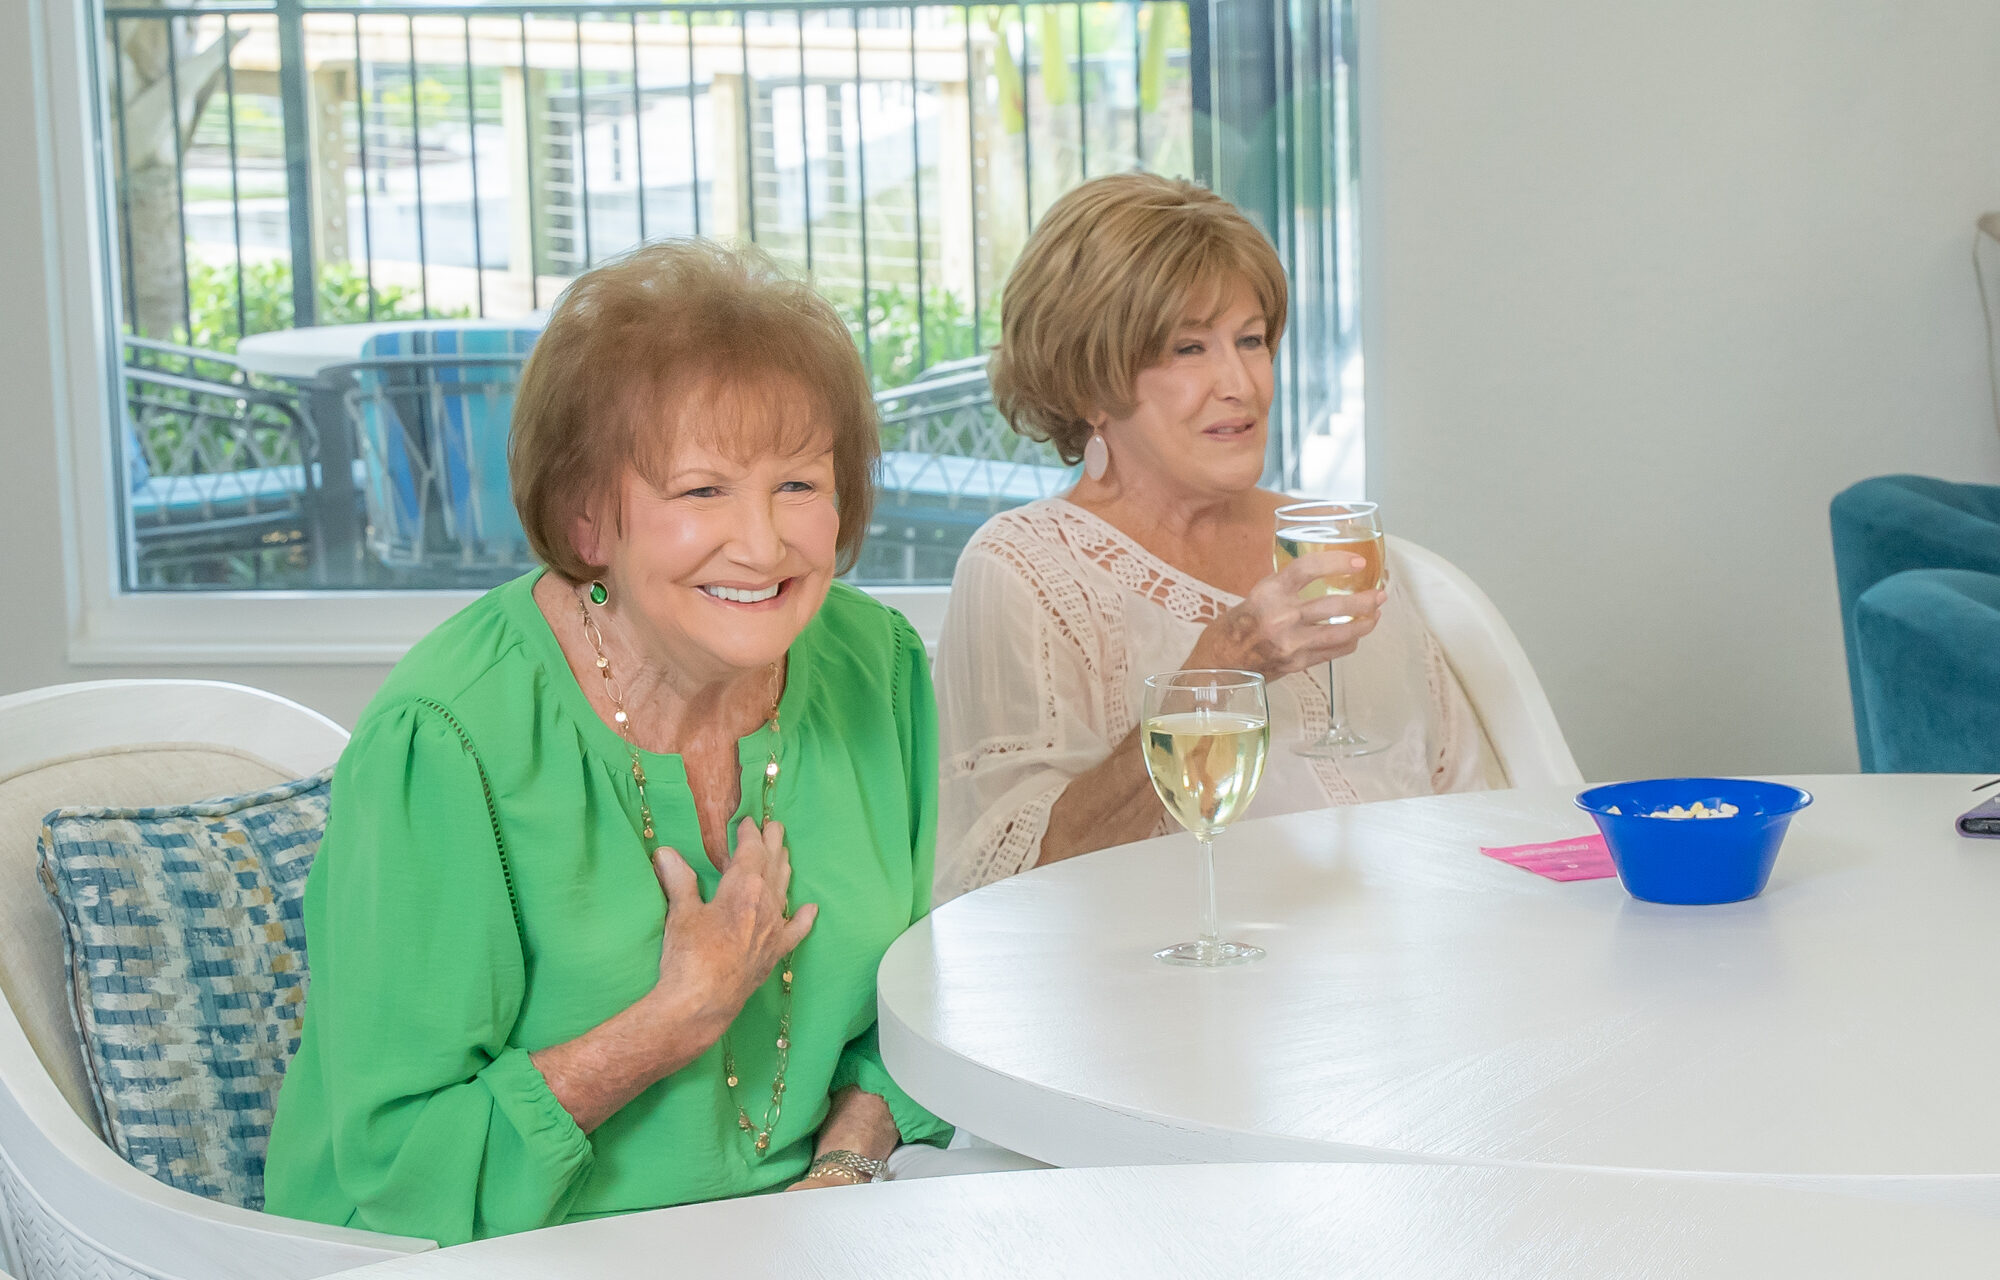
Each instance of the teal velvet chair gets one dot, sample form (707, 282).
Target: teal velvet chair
(1918, 562)
(1929, 642)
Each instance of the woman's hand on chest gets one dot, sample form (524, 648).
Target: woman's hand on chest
(716, 953)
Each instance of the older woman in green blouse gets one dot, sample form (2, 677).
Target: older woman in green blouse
(615, 852)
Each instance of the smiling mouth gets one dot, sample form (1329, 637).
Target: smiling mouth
(739, 595)
(1229, 429)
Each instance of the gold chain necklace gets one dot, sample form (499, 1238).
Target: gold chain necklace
(759, 1133)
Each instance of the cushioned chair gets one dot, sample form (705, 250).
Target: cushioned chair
(1889, 525)
(1928, 644)
(430, 410)
(1526, 745)
(69, 1207)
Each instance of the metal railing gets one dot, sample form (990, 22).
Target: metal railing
(282, 163)
(220, 476)
(331, 163)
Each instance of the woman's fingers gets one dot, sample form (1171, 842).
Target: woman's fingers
(749, 842)
(758, 878)
(799, 925)
(1304, 571)
(779, 871)
(1362, 605)
(677, 879)
(1324, 642)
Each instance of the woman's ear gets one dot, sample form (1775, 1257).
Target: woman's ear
(587, 536)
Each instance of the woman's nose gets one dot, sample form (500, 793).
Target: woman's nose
(1232, 375)
(757, 539)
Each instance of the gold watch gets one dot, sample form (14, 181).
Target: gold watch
(861, 1167)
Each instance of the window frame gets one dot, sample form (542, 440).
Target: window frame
(107, 623)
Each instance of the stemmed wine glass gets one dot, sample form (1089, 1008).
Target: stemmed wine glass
(1205, 735)
(1353, 527)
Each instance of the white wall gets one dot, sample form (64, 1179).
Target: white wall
(33, 614)
(1652, 281)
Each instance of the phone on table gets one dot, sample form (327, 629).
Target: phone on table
(1983, 819)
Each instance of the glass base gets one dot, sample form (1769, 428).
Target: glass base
(1210, 955)
(1344, 743)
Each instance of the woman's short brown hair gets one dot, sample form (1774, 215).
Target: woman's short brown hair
(682, 340)
(1099, 289)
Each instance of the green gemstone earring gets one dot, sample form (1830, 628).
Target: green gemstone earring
(599, 593)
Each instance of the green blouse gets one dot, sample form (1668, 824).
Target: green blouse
(412, 1106)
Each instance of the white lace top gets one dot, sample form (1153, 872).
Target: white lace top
(1056, 619)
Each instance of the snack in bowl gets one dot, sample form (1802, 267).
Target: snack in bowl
(1724, 854)
(1721, 809)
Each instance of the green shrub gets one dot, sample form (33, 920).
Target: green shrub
(895, 357)
(267, 300)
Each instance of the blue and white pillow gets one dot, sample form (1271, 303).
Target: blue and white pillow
(183, 930)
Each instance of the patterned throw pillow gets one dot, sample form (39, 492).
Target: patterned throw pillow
(186, 947)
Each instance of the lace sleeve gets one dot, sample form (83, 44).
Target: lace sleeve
(1021, 712)
(1455, 733)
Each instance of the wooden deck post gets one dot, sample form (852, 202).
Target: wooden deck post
(328, 105)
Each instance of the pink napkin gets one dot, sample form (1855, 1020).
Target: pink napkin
(1584, 858)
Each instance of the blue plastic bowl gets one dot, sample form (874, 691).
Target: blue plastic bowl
(1693, 861)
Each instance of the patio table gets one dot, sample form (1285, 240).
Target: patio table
(300, 356)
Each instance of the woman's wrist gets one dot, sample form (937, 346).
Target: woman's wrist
(676, 1016)
(845, 1166)
(1219, 647)
(859, 1121)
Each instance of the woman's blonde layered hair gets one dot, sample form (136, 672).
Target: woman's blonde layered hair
(1115, 267)
(684, 341)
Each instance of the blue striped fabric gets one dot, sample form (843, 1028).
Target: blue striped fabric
(183, 933)
(462, 433)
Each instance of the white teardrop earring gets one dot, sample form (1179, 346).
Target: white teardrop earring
(1096, 456)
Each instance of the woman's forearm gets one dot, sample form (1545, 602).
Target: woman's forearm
(1111, 804)
(860, 1122)
(614, 1062)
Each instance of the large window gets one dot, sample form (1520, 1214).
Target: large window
(332, 231)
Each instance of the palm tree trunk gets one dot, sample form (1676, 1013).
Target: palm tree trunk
(166, 74)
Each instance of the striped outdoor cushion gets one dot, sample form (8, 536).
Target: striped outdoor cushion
(186, 949)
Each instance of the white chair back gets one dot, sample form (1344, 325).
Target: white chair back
(98, 715)
(1490, 665)
(69, 1206)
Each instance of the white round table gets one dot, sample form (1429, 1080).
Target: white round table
(1422, 1001)
(1376, 1221)
(300, 354)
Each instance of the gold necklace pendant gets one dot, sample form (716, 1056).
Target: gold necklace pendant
(760, 1135)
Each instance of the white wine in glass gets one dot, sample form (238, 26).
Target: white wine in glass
(1356, 528)
(1205, 735)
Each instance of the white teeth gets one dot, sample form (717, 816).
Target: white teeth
(743, 597)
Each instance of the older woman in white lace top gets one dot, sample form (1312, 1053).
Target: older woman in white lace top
(1137, 334)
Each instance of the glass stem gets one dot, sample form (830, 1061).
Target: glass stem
(1336, 718)
(1210, 936)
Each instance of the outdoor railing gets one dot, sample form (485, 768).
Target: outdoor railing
(287, 163)
(420, 160)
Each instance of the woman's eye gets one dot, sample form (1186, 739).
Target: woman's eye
(796, 486)
(1188, 349)
(1251, 342)
(706, 491)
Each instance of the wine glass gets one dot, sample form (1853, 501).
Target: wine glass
(1353, 527)
(1205, 735)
